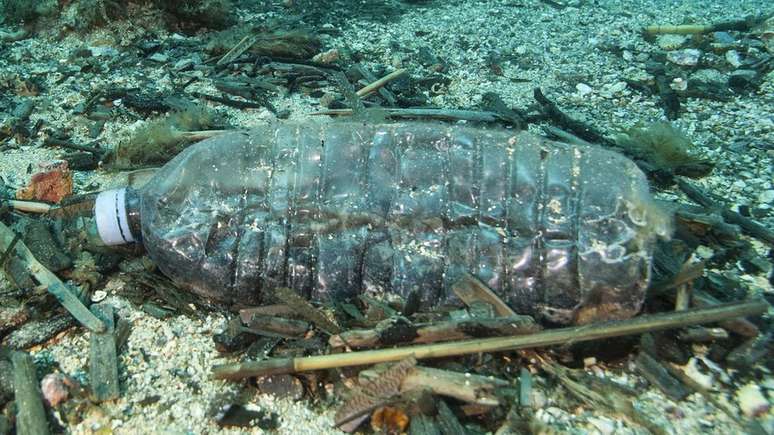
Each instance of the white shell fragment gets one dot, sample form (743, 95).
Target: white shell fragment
(693, 371)
(751, 400)
(98, 296)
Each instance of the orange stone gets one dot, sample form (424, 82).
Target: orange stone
(53, 182)
(389, 420)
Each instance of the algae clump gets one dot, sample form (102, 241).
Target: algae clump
(294, 44)
(26, 11)
(190, 14)
(157, 141)
(660, 144)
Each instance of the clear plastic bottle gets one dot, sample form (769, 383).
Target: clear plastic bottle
(559, 231)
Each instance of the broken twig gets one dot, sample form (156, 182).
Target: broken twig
(646, 323)
(437, 114)
(29, 206)
(52, 283)
(470, 289)
(739, 325)
(306, 310)
(380, 83)
(236, 51)
(658, 376)
(749, 226)
(564, 121)
(30, 414)
(103, 359)
(394, 331)
(461, 386)
(744, 25)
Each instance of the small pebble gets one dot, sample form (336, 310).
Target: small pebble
(583, 89)
(183, 64)
(158, 57)
(327, 57)
(723, 37)
(733, 58)
(679, 84)
(103, 51)
(767, 196)
(603, 425)
(687, 57)
(671, 42)
(616, 87)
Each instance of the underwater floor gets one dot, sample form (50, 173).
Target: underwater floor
(110, 87)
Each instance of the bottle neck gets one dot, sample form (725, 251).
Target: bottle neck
(133, 213)
(117, 214)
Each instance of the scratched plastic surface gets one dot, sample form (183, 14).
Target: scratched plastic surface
(561, 232)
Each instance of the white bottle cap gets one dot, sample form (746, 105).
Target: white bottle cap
(112, 220)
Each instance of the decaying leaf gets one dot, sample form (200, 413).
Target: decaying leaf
(373, 394)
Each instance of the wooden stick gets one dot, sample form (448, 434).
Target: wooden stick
(749, 226)
(447, 421)
(659, 377)
(279, 310)
(584, 131)
(687, 274)
(306, 310)
(103, 359)
(387, 334)
(200, 135)
(36, 332)
(700, 334)
(64, 143)
(685, 29)
(744, 25)
(14, 36)
(30, 414)
(29, 206)
(576, 334)
(75, 307)
(236, 51)
(683, 297)
(525, 388)
(470, 289)
(369, 77)
(740, 325)
(422, 113)
(380, 83)
(228, 101)
(422, 424)
(53, 284)
(273, 326)
(462, 386)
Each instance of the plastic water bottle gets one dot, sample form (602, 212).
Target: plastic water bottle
(559, 231)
